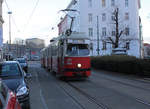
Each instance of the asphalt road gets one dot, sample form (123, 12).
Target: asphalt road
(103, 90)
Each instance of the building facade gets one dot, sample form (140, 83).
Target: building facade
(1, 30)
(14, 50)
(35, 43)
(146, 50)
(34, 46)
(96, 19)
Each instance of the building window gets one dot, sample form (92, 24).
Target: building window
(103, 3)
(127, 31)
(112, 17)
(91, 46)
(127, 46)
(104, 45)
(126, 16)
(104, 31)
(113, 33)
(126, 3)
(74, 2)
(90, 3)
(90, 17)
(103, 17)
(112, 2)
(90, 32)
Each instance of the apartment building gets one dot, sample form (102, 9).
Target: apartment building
(1, 29)
(97, 19)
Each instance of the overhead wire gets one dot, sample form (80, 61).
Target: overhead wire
(7, 5)
(29, 19)
(32, 13)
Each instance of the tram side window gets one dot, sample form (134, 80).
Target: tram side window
(54, 50)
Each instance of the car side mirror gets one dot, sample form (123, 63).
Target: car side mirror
(28, 75)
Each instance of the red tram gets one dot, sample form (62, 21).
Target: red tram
(68, 56)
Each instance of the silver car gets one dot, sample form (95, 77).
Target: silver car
(23, 63)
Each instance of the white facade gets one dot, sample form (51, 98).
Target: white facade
(1, 23)
(1, 30)
(94, 17)
(146, 50)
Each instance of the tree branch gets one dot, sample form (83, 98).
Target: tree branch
(111, 40)
(121, 33)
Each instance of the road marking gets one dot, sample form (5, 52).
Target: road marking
(43, 101)
(147, 79)
(41, 95)
(143, 102)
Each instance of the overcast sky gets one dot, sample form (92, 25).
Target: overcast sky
(46, 16)
(39, 25)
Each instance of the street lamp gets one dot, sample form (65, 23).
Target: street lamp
(9, 13)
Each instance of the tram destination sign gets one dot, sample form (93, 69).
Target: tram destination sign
(75, 41)
(78, 41)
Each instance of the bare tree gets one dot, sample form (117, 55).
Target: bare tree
(118, 31)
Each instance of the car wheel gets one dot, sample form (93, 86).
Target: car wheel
(26, 70)
(26, 105)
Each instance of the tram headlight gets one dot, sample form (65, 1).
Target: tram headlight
(79, 65)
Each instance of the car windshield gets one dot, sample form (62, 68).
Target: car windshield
(9, 70)
(77, 50)
(21, 61)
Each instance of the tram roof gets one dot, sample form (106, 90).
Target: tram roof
(43, 49)
(74, 35)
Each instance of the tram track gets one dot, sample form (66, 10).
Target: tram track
(144, 80)
(66, 86)
(89, 97)
(127, 84)
(136, 99)
(133, 77)
(93, 99)
(66, 92)
(61, 86)
(73, 98)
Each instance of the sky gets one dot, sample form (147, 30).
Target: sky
(38, 25)
(46, 16)
(145, 16)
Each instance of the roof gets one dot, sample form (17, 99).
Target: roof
(71, 3)
(146, 44)
(75, 35)
(20, 58)
(9, 62)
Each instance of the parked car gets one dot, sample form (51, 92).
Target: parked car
(8, 99)
(119, 51)
(23, 63)
(35, 58)
(14, 77)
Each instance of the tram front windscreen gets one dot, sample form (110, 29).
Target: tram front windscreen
(78, 50)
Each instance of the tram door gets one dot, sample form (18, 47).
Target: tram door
(61, 55)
